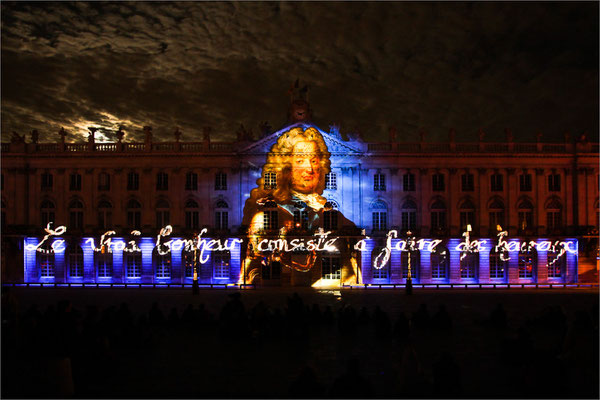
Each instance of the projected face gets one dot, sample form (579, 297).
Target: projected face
(306, 167)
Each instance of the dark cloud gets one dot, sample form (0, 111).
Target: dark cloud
(532, 67)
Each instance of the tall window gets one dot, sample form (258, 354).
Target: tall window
(191, 181)
(76, 214)
(330, 217)
(498, 266)
(301, 219)
(330, 268)
(409, 182)
(437, 182)
(104, 264)
(525, 214)
(379, 216)
(46, 264)
(409, 215)
(331, 181)
(380, 273)
(496, 214)
(163, 215)
(467, 214)
(162, 264)
(75, 182)
(192, 212)
(554, 215)
(221, 181)
(467, 182)
(556, 265)
(162, 181)
(497, 182)
(525, 183)
(438, 216)
(271, 270)
(379, 182)
(221, 261)
(440, 261)
(554, 183)
(47, 181)
(134, 214)
(75, 261)
(221, 215)
(47, 209)
(270, 219)
(469, 265)
(188, 259)
(527, 262)
(104, 214)
(133, 262)
(270, 180)
(414, 257)
(133, 181)
(104, 181)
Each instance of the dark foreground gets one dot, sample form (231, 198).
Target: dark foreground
(167, 343)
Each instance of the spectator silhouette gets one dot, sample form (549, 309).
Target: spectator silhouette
(498, 318)
(441, 321)
(155, 316)
(420, 318)
(351, 384)
(401, 327)
(382, 323)
(306, 385)
(446, 377)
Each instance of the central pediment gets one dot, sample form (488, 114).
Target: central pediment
(335, 144)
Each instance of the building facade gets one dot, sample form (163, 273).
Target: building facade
(533, 192)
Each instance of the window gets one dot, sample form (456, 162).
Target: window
(133, 262)
(438, 182)
(221, 260)
(468, 265)
(133, 181)
(556, 265)
(162, 213)
(379, 216)
(496, 214)
(104, 214)
(467, 215)
(104, 264)
(270, 180)
(331, 268)
(379, 182)
(162, 181)
(527, 262)
(409, 182)
(331, 181)
(525, 183)
(188, 259)
(191, 181)
(497, 182)
(134, 214)
(271, 270)
(301, 219)
(192, 212)
(222, 215)
(467, 182)
(498, 266)
(409, 215)
(76, 262)
(75, 182)
(440, 261)
(162, 264)
(414, 258)
(525, 215)
(330, 220)
(47, 181)
(553, 215)
(103, 181)
(46, 264)
(380, 273)
(47, 209)
(220, 181)
(438, 216)
(76, 215)
(270, 221)
(554, 183)
(3, 222)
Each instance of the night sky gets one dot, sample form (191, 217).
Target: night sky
(531, 67)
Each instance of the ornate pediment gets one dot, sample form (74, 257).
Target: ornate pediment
(335, 145)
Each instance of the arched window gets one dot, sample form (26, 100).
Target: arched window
(496, 214)
(133, 262)
(76, 214)
(554, 215)
(379, 273)
(221, 215)
(469, 265)
(527, 261)
(438, 216)
(525, 213)
(379, 215)
(409, 215)
(104, 214)
(163, 214)
(104, 263)
(498, 264)
(47, 211)
(162, 263)
(557, 264)
(221, 261)
(330, 216)
(414, 257)
(45, 261)
(467, 214)
(75, 261)
(440, 262)
(192, 212)
(134, 214)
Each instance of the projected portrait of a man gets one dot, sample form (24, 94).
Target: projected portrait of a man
(288, 208)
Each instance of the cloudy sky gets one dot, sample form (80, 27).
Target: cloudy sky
(530, 67)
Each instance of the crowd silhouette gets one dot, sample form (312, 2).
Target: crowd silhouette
(298, 351)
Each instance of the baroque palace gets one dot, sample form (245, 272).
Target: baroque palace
(439, 213)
